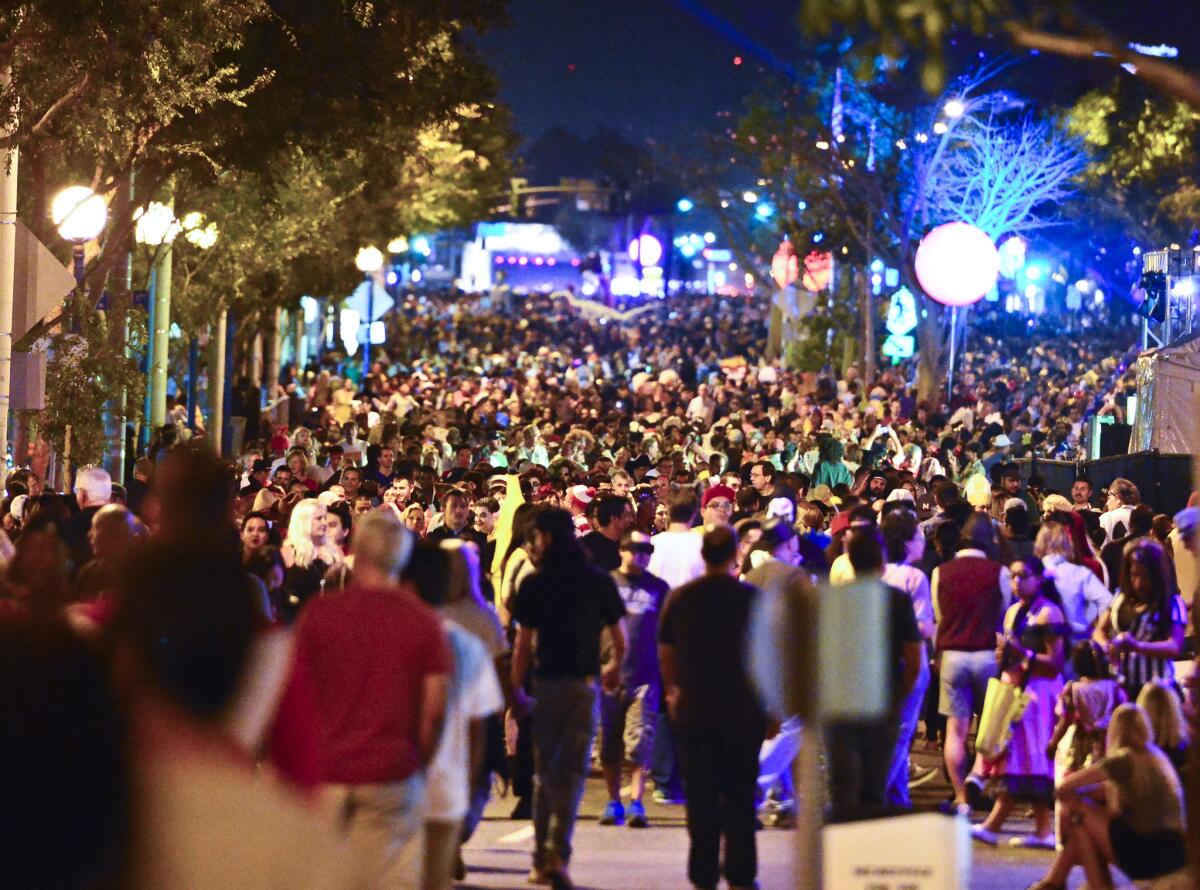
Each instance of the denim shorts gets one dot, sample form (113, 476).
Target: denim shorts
(964, 678)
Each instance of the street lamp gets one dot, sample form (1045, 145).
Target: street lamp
(155, 226)
(80, 215)
(369, 260)
(954, 108)
(203, 236)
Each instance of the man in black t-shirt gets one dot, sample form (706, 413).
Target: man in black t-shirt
(567, 603)
(716, 718)
(614, 517)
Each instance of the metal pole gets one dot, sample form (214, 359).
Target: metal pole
(8, 261)
(151, 303)
(193, 361)
(953, 343)
(809, 818)
(162, 341)
(366, 360)
(230, 335)
(216, 386)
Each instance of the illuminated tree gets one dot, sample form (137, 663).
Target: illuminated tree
(1061, 27)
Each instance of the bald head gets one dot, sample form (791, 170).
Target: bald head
(113, 529)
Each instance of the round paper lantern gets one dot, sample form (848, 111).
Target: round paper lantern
(818, 271)
(646, 250)
(957, 264)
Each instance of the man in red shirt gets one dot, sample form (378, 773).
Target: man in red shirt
(378, 666)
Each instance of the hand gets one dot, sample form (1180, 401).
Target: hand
(523, 703)
(610, 677)
(672, 696)
(1123, 642)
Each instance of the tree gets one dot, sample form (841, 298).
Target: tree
(1061, 27)
(871, 180)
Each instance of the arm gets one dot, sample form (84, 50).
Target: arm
(670, 676)
(522, 656)
(1170, 648)
(476, 745)
(1100, 634)
(1092, 775)
(432, 715)
(610, 674)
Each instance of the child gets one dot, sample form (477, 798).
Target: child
(1085, 707)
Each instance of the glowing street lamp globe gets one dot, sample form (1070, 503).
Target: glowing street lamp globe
(79, 213)
(646, 250)
(957, 264)
(954, 108)
(369, 260)
(155, 224)
(399, 244)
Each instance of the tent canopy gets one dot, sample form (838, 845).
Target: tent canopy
(1168, 389)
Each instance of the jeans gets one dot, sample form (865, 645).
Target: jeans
(383, 828)
(860, 757)
(720, 777)
(664, 768)
(564, 725)
(776, 759)
(910, 711)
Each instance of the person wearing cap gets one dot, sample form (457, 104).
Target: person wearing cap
(578, 499)
(999, 453)
(377, 673)
(1183, 547)
(717, 504)
(715, 713)
(628, 714)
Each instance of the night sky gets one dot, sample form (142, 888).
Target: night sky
(662, 70)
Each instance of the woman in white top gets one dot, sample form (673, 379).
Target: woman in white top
(1083, 594)
(904, 544)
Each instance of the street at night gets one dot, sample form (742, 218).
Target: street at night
(631, 444)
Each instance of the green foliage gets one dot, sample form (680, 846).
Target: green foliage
(85, 370)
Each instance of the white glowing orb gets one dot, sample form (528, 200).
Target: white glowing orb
(957, 264)
(79, 213)
(646, 250)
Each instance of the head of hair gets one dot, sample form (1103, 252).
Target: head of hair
(382, 542)
(428, 571)
(464, 572)
(66, 763)
(864, 547)
(766, 468)
(556, 524)
(1048, 589)
(196, 492)
(946, 536)
(1125, 491)
(188, 618)
(262, 560)
(1149, 554)
(1165, 711)
(1129, 728)
(1141, 520)
(682, 506)
(1016, 519)
(980, 534)
(1053, 539)
(899, 527)
(1088, 660)
(719, 545)
(341, 510)
(610, 507)
(94, 484)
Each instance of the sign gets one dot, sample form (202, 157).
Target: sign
(40, 282)
(921, 851)
(899, 346)
(818, 271)
(902, 313)
(785, 265)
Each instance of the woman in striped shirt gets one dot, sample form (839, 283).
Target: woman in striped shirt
(1143, 627)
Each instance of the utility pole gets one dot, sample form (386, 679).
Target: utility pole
(8, 260)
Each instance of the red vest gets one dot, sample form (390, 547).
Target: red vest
(970, 604)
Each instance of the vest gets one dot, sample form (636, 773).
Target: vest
(970, 603)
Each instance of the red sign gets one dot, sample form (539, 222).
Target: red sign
(785, 265)
(818, 271)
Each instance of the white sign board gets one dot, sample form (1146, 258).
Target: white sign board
(920, 851)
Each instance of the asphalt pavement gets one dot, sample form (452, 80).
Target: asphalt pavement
(655, 858)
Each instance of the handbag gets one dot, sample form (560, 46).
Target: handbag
(1003, 705)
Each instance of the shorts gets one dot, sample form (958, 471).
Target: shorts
(964, 678)
(627, 725)
(1145, 856)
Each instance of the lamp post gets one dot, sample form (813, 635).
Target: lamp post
(157, 227)
(369, 261)
(196, 233)
(80, 215)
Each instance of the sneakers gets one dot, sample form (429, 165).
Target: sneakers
(1034, 842)
(637, 815)
(950, 808)
(984, 836)
(614, 814)
(666, 799)
(975, 796)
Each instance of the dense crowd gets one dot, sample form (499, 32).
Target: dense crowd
(529, 526)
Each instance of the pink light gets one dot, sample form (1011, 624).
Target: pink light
(957, 264)
(499, 261)
(551, 261)
(537, 261)
(646, 250)
(512, 259)
(523, 261)
(574, 262)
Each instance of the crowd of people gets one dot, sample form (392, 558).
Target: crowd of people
(528, 541)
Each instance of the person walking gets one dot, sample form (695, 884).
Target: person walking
(378, 668)
(715, 714)
(566, 603)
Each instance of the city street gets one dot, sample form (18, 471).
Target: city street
(610, 858)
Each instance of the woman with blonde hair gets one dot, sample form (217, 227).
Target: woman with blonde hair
(1141, 829)
(414, 519)
(308, 553)
(1165, 710)
(1084, 595)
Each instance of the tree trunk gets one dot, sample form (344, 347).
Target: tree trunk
(272, 344)
(931, 369)
(866, 318)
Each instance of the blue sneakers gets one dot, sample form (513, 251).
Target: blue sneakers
(637, 815)
(614, 814)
